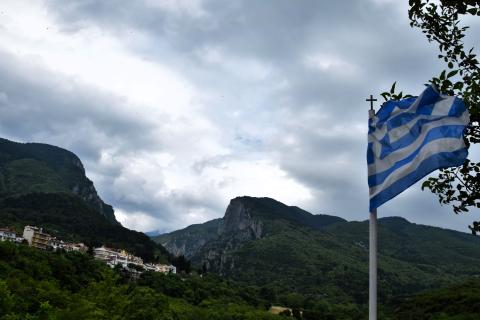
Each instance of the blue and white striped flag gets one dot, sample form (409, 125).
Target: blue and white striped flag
(410, 138)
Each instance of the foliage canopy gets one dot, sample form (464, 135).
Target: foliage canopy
(440, 21)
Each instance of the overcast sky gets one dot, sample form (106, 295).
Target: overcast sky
(177, 106)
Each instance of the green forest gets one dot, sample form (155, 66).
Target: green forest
(37, 284)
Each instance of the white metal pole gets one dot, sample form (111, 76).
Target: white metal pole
(372, 281)
(372, 292)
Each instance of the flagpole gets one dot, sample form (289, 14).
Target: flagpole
(372, 251)
(372, 292)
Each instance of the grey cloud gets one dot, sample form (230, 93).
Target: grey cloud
(41, 104)
(255, 109)
(211, 162)
(374, 39)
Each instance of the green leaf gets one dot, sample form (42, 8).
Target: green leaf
(447, 83)
(452, 73)
(392, 90)
(458, 86)
(472, 11)
(425, 184)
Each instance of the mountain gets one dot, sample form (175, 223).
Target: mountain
(189, 241)
(46, 186)
(36, 167)
(264, 242)
(240, 219)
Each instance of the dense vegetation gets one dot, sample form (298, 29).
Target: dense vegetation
(459, 302)
(35, 284)
(68, 217)
(334, 264)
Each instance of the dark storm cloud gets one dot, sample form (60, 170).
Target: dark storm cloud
(371, 40)
(287, 80)
(37, 105)
(41, 104)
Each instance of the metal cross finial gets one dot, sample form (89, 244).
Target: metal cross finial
(371, 100)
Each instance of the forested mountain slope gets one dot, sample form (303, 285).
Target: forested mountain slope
(46, 186)
(37, 167)
(262, 241)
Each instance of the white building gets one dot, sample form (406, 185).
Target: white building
(57, 244)
(163, 268)
(7, 234)
(106, 254)
(81, 247)
(113, 257)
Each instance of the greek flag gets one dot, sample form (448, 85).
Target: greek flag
(410, 138)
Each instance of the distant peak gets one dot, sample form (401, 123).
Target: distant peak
(271, 209)
(257, 200)
(250, 198)
(394, 219)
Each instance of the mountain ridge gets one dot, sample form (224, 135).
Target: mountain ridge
(231, 221)
(37, 167)
(46, 186)
(262, 241)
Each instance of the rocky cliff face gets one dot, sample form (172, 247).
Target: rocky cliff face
(87, 192)
(189, 241)
(239, 220)
(211, 242)
(238, 226)
(185, 247)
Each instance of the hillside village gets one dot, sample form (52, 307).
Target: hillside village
(37, 238)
